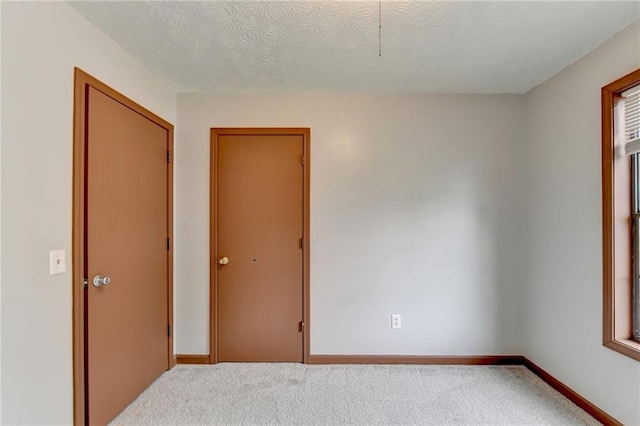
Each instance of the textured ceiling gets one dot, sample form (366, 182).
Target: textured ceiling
(332, 46)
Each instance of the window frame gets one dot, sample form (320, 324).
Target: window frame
(618, 215)
(635, 248)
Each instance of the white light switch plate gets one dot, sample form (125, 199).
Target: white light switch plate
(57, 262)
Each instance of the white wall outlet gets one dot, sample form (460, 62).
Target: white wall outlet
(57, 262)
(396, 321)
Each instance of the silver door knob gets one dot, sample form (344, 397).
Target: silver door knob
(99, 281)
(223, 260)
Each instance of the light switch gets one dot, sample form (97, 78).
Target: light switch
(57, 262)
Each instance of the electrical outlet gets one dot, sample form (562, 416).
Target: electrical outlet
(396, 321)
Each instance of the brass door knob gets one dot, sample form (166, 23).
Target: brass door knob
(223, 260)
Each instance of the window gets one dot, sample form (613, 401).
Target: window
(630, 127)
(621, 214)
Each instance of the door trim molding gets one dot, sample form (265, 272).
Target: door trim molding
(305, 132)
(82, 81)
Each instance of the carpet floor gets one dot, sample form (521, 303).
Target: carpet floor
(295, 394)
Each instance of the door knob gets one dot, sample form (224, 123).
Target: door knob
(223, 260)
(99, 281)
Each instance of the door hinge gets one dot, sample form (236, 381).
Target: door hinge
(86, 282)
(168, 156)
(168, 244)
(302, 160)
(301, 326)
(302, 243)
(168, 331)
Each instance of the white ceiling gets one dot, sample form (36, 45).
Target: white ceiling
(332, 46)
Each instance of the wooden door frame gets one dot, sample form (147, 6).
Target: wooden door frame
(305, 132)
(82, 81)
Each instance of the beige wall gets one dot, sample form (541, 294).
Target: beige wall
(563, 315)
(415, 209)
(41, 43)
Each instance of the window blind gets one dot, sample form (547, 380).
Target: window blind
(632, 120)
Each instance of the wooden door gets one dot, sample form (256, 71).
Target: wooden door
(126, 231)
(260, 226)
